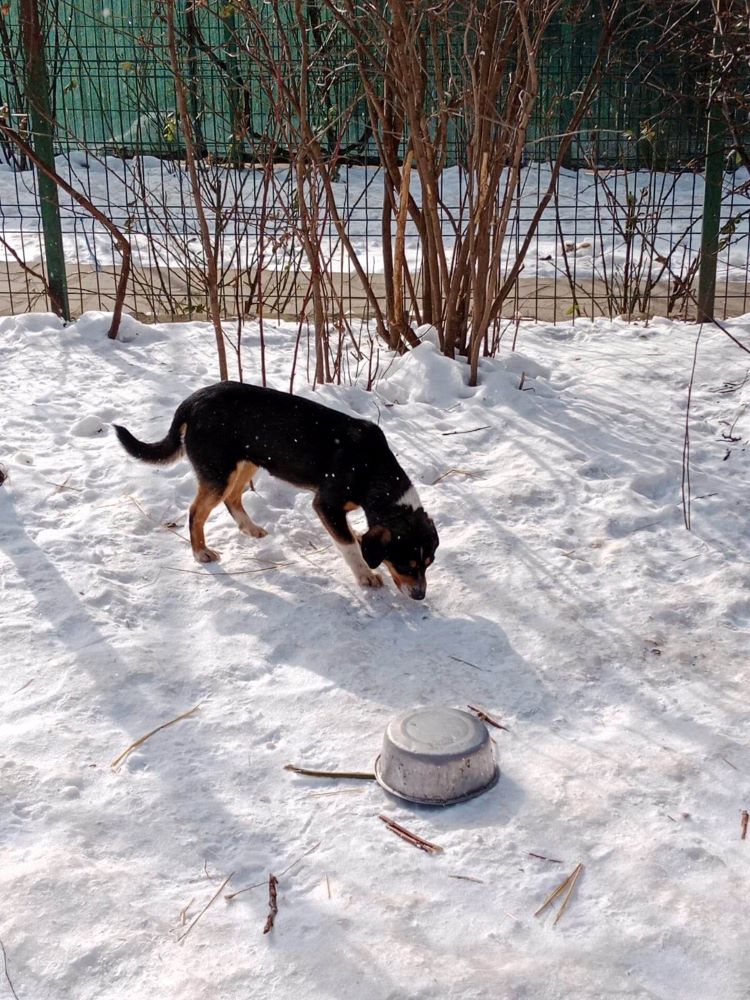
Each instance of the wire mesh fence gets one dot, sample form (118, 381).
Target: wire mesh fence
(621, 235)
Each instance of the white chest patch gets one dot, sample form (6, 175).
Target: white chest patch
(410, 499)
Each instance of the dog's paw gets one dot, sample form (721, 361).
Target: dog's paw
(369, 579)
(254, 530)
(207, 555)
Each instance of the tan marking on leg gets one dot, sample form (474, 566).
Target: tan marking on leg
(350, 505)
(352, 554)
(240, 478)
(206, 499)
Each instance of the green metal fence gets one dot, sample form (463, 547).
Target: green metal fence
(111, 95)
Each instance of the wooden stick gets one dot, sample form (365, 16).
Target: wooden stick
(409, 837)
(744, 819)
(273, 906)
(308, 773)
(573, 879)
(208, 904)
(543, 858)
(121, 758)
(481, 714)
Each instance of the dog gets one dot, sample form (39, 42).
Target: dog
(230, 430)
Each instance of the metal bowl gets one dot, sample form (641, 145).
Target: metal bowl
(436, 756)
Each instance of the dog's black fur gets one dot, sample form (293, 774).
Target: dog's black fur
(230, 430)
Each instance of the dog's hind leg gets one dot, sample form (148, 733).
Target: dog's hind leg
(206, 499)
(240, 478)
(334, 521)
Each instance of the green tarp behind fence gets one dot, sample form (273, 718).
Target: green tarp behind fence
(113, 89)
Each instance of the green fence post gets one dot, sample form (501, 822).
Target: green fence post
(38, 96)
(714, 174)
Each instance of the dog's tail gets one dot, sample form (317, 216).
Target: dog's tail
(161, 452)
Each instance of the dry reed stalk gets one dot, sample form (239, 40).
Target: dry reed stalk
(153, 520)
(121, 758)
(184, 911)
(454, 472)
(568, 884)
(211, 901)
(574, 878)
(288, 868)
(208, 576)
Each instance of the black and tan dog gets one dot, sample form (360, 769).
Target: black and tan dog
(229, 430)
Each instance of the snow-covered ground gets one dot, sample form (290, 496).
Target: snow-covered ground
(150, 200)
(567, 599)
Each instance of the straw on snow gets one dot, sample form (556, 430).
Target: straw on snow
(121, 758)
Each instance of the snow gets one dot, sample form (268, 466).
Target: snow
(149, 200)
(567, 599)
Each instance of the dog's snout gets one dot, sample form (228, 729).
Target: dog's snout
(418, 590)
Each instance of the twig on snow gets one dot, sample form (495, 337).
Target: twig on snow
(467, 662)
(169, 525)
(409, 837)
(288, 868)
(455, 472)
(61, 487)
(472, 430)
(184, 912)
(5, 969)
(468, 878)
(121, 758)
(309, 773)
(209, 576)
(481, 714)
(211, 901)
(744, 819)
(273, 906)
(541, 857)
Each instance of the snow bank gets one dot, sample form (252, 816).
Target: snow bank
(567, 599)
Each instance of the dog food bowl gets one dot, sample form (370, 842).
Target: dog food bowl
(436, 756)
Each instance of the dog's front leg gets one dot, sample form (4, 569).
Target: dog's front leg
(333, 516)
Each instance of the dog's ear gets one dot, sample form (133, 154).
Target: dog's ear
(433, 529)
(373, 545)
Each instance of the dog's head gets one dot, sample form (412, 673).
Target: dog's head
(406, 543)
